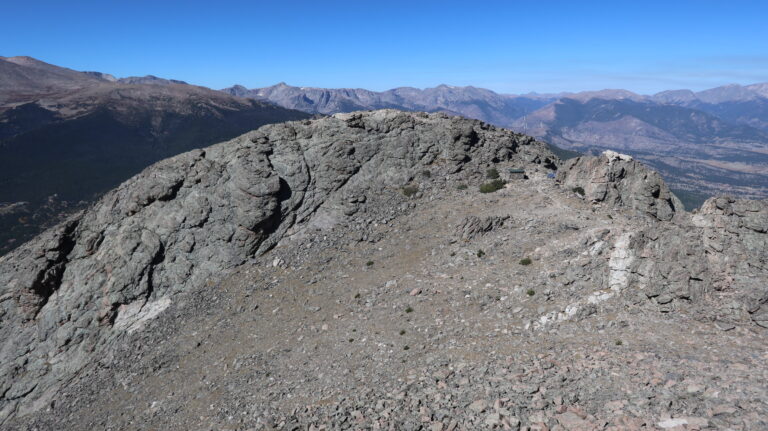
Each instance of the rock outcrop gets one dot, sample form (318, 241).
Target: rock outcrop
(712, 263)
(158, 306)
(472, 226)
(69, 295)
(618, 180)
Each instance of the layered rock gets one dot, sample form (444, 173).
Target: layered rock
(619, 180)
(69, 295)
(472, 226)
(712, 263)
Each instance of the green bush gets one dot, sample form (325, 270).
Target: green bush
(480, 253)
(492, 186)
(526, 261)
(579, 191)
(409, 309)
(461, 187)
(369, 263)
(530, 292)
(410, 190)
(426, 173)
(619, 342)
(492, 174)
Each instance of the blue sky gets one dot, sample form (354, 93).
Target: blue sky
(509, 47)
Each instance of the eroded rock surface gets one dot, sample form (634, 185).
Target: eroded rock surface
(712, 263)
(472, 226)
(619, 180)
(69, 295)
(287, 279)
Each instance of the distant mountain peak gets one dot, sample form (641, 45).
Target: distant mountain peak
(23, 60)
(149, 79)
(760, 88)
(104, 76)
(607, 93)
(674, 96)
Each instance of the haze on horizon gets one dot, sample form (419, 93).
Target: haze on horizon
(510, 48)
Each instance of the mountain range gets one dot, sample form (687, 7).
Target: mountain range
(68, 136)
(704, 143)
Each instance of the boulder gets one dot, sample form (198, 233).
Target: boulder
(619, 180)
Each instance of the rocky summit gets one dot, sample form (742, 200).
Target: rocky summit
(389, 270)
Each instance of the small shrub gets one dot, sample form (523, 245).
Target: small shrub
(492, 186)
(402, 332)
(619, 342)
(492, 174)
(357, 295)
(351, 340)
(530, 292)
(461, 187)
(406, 348)
(426, 173)
(579, 191)
(409, 309)
(409, 191)
(369, 263)
(453, 253)
(526, 261)
(480, 253)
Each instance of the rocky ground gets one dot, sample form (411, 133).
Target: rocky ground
(582, 301)
(414, 318)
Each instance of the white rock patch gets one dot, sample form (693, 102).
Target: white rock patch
(132, 317)
(618, 265)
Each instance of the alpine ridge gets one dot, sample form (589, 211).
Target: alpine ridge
(347, 272)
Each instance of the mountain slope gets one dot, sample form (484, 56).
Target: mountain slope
(285, 279)
(68, 136)
(25, 78)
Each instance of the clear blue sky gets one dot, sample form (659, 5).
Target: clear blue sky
(507, 46)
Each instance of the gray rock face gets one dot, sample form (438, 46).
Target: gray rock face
(618, 180)
(711, 263)
(69, 295)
